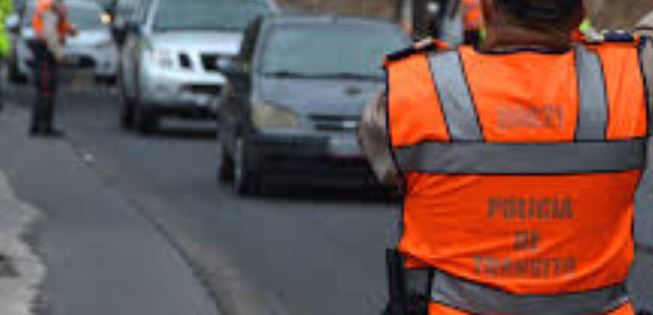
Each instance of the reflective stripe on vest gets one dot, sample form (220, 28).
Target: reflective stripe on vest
(63, 25)
(466, 154)
(523, 159)
(478, 299)
(461, 116)
(593, 114)
(457, 103)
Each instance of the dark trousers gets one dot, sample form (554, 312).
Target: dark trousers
(45, 80)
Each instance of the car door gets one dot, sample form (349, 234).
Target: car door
(233, 112)
(129, 52)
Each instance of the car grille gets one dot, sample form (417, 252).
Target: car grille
(184, 61)
(210, 89)
(335, 122)
(210, 62)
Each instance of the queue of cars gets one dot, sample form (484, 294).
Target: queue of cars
(287, 91)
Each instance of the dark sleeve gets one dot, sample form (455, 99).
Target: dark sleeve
(646, 60)
(374, 139)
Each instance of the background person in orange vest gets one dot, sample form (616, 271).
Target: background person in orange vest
(51, 25)
(519, 162)
(473, 21)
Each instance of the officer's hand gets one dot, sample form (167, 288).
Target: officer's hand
(59, 57)
(423, 43)
(73, 31)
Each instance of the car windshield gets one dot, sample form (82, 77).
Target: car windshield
(82, 15)
(85, 16)
(126, 7)
(330, 50)
(208, 14)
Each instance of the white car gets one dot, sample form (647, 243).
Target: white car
(93, 47)
(169, 61)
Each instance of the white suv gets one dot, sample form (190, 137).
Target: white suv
(169, 64)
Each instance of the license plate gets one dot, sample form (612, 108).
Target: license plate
(348, 147)
(74, 59)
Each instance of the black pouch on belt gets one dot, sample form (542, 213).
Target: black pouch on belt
(408, 289)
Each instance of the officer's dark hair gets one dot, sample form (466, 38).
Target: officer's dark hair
(541, 15)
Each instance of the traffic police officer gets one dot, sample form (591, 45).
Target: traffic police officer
(51, 26)
(519, 162)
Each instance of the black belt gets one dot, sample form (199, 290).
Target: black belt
(479, 299)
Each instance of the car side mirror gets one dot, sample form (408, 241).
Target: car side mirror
(119, 29)
(232, 68)
(129, 26)
(13, 23)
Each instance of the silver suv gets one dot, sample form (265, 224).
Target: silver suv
(169, 60)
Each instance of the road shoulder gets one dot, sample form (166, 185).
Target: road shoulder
(102, 256)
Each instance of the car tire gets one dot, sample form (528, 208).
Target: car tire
(246, 180)
(145, 120)
(226, 168)
(126, 108)
(14, 74)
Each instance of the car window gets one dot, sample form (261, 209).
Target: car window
(126, 7)
(329, 49)
(208, 14)
(140, 11)
(249, 40)
(85, 16)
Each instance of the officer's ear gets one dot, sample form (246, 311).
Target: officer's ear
(489, 12)
(578, 16)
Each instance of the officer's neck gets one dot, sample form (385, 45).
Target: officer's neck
(509, 37)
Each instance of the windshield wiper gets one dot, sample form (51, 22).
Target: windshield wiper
(334, 75)
(287, 74)
(349, 75)
(197, 28)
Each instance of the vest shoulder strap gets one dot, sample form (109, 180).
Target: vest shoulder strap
(453, 91)
(593, 102)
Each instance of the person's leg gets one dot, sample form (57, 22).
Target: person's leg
(38, 71)
(50, 91)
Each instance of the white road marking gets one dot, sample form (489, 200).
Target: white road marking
(17, 294)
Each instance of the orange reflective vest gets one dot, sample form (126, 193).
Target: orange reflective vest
(64, 26)
(473, 15)
(521, 170)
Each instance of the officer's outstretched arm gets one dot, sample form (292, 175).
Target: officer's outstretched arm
(373, 136)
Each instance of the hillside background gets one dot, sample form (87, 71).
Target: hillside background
(605, 13)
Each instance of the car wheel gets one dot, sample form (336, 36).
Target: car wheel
(246, 180)
(226, 169)
(146, 120)
(14, 74)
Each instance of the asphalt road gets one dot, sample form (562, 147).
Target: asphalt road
(317, 251)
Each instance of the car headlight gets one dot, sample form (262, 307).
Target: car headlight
(106, 18)
(266, 116)
(163, 58)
